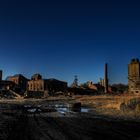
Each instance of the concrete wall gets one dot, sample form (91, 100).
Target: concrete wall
(134, 76)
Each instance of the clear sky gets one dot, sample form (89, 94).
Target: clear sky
(61, 39)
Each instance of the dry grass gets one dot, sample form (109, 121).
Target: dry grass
(109, 105)
(105, 101)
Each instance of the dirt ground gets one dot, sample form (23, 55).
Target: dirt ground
(18, 124)
(79, 128)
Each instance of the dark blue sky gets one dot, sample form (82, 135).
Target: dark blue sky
(61, 39)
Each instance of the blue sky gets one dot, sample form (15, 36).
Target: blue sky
(61, 39)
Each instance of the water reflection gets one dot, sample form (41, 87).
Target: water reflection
(61, 108)
(65, 109)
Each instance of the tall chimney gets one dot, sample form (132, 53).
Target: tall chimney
(0, 75)
(106, 78)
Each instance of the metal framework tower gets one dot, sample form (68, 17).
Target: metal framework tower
(75, 82)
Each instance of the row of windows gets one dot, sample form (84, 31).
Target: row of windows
(38, 86)
(15, 81)
(36, 83)
(35, 87)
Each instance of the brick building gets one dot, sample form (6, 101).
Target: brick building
(20, 82)
(37, 83)
(45, 87)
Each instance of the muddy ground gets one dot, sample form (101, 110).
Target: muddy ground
(17, 123)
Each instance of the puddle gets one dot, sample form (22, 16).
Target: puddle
(85, 110)
(65, 109)
(61, 108)
(32, 110)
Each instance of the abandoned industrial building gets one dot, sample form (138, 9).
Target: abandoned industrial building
(40, 87)
(20, 83)
(37, 83)
(44, 87)
(134, 76)
(36, 87)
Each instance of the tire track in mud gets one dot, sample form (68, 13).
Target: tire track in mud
(26, 127)
(39, 127)
(4, 130)
(85, 129)
(38, 131)
(19, 129)
(62, 133)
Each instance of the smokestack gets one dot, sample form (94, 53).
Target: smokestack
(106, 78)
(0, 75)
